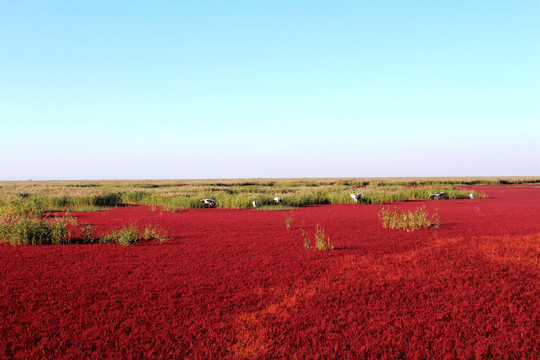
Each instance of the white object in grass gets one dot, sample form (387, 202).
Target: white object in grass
(437, 196)
(208, 202)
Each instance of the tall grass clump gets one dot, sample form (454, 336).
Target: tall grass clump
(152, 232)
(288, 222)
(66, 230)
(408, 220)
(110, 199)
(305, 237)
(87, 234)
(24, 231)
(131, 235)
(25, 207)
(322, 241)
(126, 235)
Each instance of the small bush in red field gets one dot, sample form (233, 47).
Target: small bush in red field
(408, 220)
(87, 233)
(127, 235)
(130, 235)
(322, 241)
(152, 232)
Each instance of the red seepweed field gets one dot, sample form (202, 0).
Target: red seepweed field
(239, 284)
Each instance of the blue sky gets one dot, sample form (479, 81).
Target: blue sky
(158, 90)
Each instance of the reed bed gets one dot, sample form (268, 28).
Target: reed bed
(33, 198)
(26, 231)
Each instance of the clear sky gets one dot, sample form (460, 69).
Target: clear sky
(227, 89)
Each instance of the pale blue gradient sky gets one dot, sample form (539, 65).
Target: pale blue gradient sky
(155, 90)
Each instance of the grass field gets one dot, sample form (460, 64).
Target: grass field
(32, 198)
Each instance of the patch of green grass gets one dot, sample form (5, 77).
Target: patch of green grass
(151, 232)
(23, 231)
(31, 199)
(65, 230)
(130, 235)
(25, 207)
(88, 208)
(408, 220)
(87, 234)
(277, 207)
(126, 235)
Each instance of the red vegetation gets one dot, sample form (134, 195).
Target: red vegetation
(238, 284)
